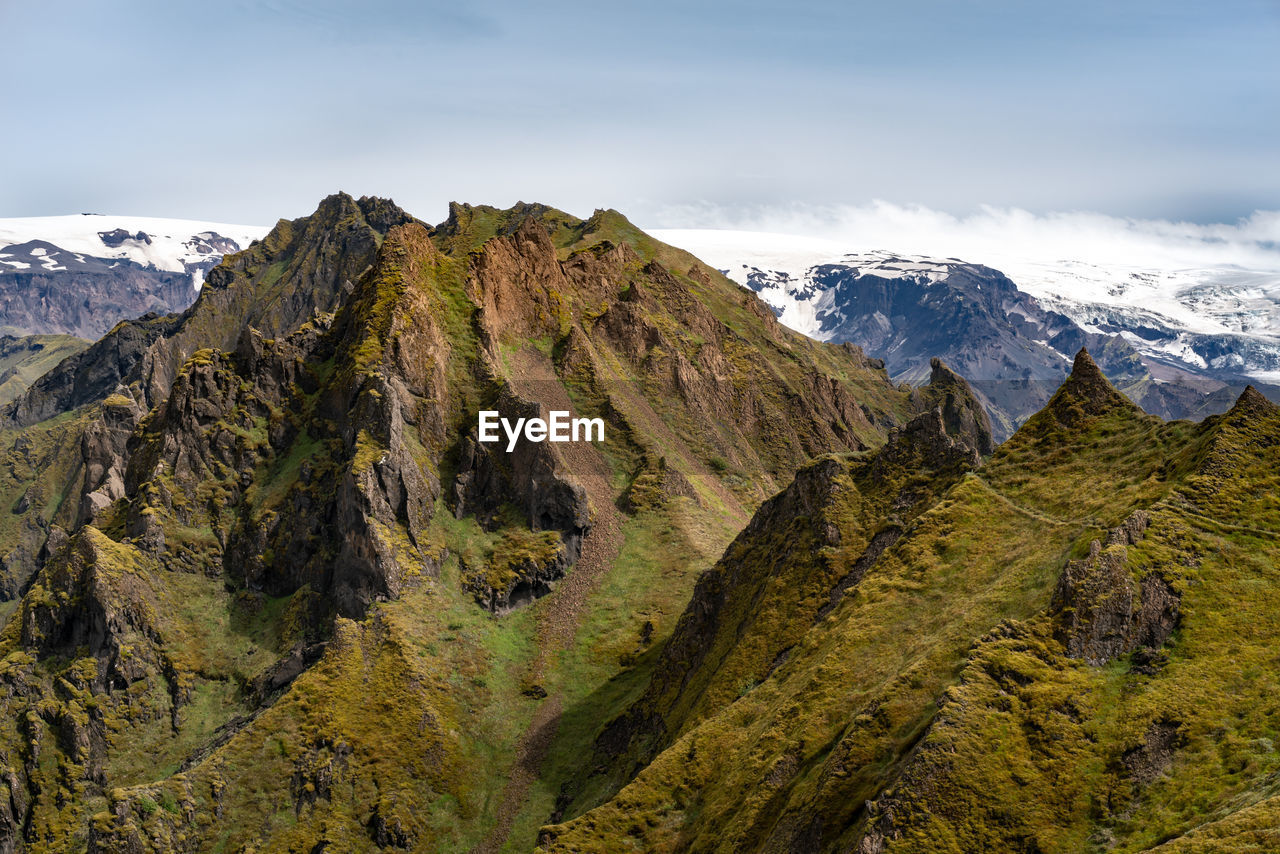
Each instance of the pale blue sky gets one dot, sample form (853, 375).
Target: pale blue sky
(247, 111)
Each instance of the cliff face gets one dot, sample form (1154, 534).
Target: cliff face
(86, 298)
(1041, 653)
(268, 559)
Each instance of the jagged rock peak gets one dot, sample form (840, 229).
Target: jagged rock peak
(963, 417)
(1086, 393)
(486, 219)
(926, 441)
(939, 372)
(1252, 403)
(383, 214)
(1085, 371)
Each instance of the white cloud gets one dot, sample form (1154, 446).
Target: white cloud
(1009, 236)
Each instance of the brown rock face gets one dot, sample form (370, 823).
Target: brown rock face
(1098, 619)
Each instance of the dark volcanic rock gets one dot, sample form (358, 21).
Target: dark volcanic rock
(84, 297)
(91, 375)
(1098, 617)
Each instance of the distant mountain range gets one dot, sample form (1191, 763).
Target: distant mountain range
(1182, 344)
(80, 275)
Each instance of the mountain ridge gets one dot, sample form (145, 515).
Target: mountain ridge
(294, 455)
(264, 588)
(895, 754)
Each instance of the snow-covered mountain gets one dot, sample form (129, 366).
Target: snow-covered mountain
(176, 245)
(1179, 341)
(1217, 319)
(81, 274)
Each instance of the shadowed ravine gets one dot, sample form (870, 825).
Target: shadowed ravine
(560, 612)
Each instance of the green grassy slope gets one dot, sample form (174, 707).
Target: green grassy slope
(935, 708)
(270, 641)
(24, 360)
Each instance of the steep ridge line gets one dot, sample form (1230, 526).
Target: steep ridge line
(1182, 507)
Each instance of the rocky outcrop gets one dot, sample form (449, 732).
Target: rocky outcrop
(93, 595)
(1086, 394)
(951, 433)
(655, 484)
(531, 480)
(352, 525)
(527, 477)
(520, 569)
(104, 448)
(195, 454)
(925, 442)
(1102, 611)
(962, 415)
(301, 270)
(1154, 755)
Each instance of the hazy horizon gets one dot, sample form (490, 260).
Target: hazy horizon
(252, 111)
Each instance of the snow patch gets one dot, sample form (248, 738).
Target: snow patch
(175, 243)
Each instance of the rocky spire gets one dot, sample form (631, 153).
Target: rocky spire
(963, 416)
(1086, 393)
(1252, 403)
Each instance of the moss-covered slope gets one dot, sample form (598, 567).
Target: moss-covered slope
(263, 613)
(1065, 649)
